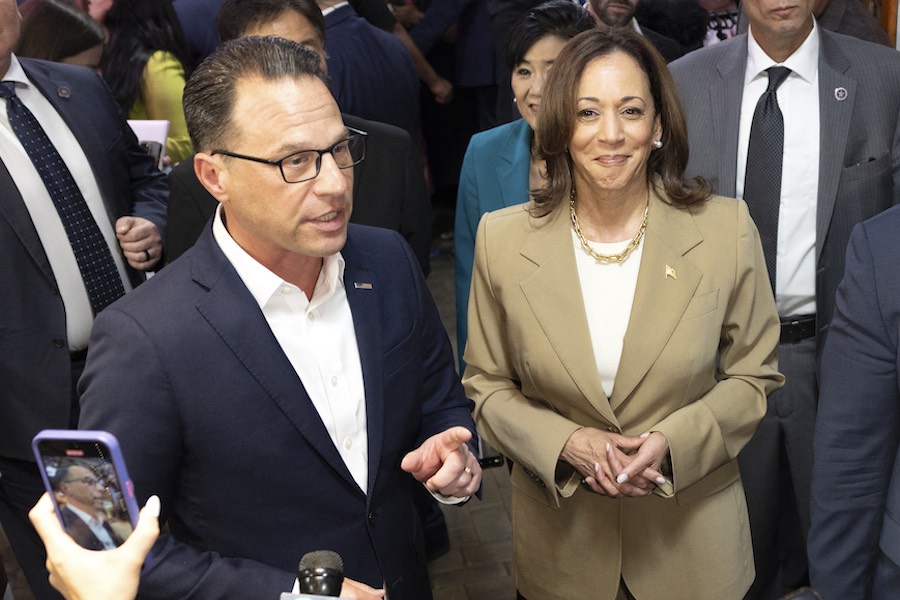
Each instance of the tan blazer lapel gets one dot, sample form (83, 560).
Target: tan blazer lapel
(553, 292)
(666, 283)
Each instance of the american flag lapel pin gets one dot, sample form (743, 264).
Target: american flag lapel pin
(362, 285)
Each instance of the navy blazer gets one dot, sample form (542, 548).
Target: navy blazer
(35, 371)
(494, 175)
(854, 542)
(213, 418)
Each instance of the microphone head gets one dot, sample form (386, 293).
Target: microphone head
(321, 573)
(322, 559)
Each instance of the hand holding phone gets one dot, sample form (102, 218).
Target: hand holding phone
(80, 574)
(84, 474)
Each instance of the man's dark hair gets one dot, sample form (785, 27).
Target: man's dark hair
(209, 95)
(236, 17)
(62, 472)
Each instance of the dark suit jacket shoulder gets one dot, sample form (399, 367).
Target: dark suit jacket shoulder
(669, 48)
(32, 321)
(855, 503)
(220, 426)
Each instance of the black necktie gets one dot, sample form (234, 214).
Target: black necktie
(95, 261)
(765, 153)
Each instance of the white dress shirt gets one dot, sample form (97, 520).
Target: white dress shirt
(798, 98)
(47, 223)
(318, 338)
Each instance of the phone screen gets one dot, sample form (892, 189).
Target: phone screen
(87, 491)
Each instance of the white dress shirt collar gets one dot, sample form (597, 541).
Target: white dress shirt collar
(636, 25)
(262, 282)
(331, 9)
(804, 62)
(15, 72)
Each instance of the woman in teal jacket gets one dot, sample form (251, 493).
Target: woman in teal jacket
(500, 168)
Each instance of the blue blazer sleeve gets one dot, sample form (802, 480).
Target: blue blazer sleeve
(858, 423)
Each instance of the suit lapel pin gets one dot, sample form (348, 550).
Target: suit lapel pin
(840, 94)
(362, 286)
(670, 272)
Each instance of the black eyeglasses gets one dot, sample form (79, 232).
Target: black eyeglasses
(306, 164)
(88, 481)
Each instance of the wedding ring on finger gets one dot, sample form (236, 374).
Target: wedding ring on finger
(468, 470)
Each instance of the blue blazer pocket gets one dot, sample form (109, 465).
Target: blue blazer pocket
(399, 354)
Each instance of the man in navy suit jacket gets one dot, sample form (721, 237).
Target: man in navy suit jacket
(43, 332)
(854, 542)
(283, 384)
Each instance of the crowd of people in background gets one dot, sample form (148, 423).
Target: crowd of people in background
(697, 396)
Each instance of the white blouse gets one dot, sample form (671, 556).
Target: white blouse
(607, 290)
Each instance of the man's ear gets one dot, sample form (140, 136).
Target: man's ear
(212, 175)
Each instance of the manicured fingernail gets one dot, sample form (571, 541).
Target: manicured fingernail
(596, 467)
(645, 434)
(608, 447)
(660, 480)
(152, 506)
(622, 478)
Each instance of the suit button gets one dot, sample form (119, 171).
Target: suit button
(612, 429)
(59, 343)
(373, 518)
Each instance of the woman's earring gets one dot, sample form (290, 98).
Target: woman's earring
(657, 144)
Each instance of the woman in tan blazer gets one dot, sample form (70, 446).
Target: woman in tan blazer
(622, 337)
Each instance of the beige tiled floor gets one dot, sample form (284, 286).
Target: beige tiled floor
(479, 564)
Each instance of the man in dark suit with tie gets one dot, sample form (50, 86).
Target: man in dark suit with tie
(389, 186)
(854, 543)
(804, 124)
(82, 212)
(289, 373)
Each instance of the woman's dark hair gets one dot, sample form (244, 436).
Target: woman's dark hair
(558, 112)
(55, 30)
(561, 18)
(137, 29)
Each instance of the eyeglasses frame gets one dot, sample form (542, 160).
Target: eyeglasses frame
(358, 133)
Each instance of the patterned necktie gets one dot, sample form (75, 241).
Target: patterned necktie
(765, 154)
(95, 261)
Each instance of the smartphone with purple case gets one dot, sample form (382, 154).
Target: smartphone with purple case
(85, 475)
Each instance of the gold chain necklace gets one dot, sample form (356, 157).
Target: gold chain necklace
(607, 258)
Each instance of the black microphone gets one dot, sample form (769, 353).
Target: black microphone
(321, 573)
